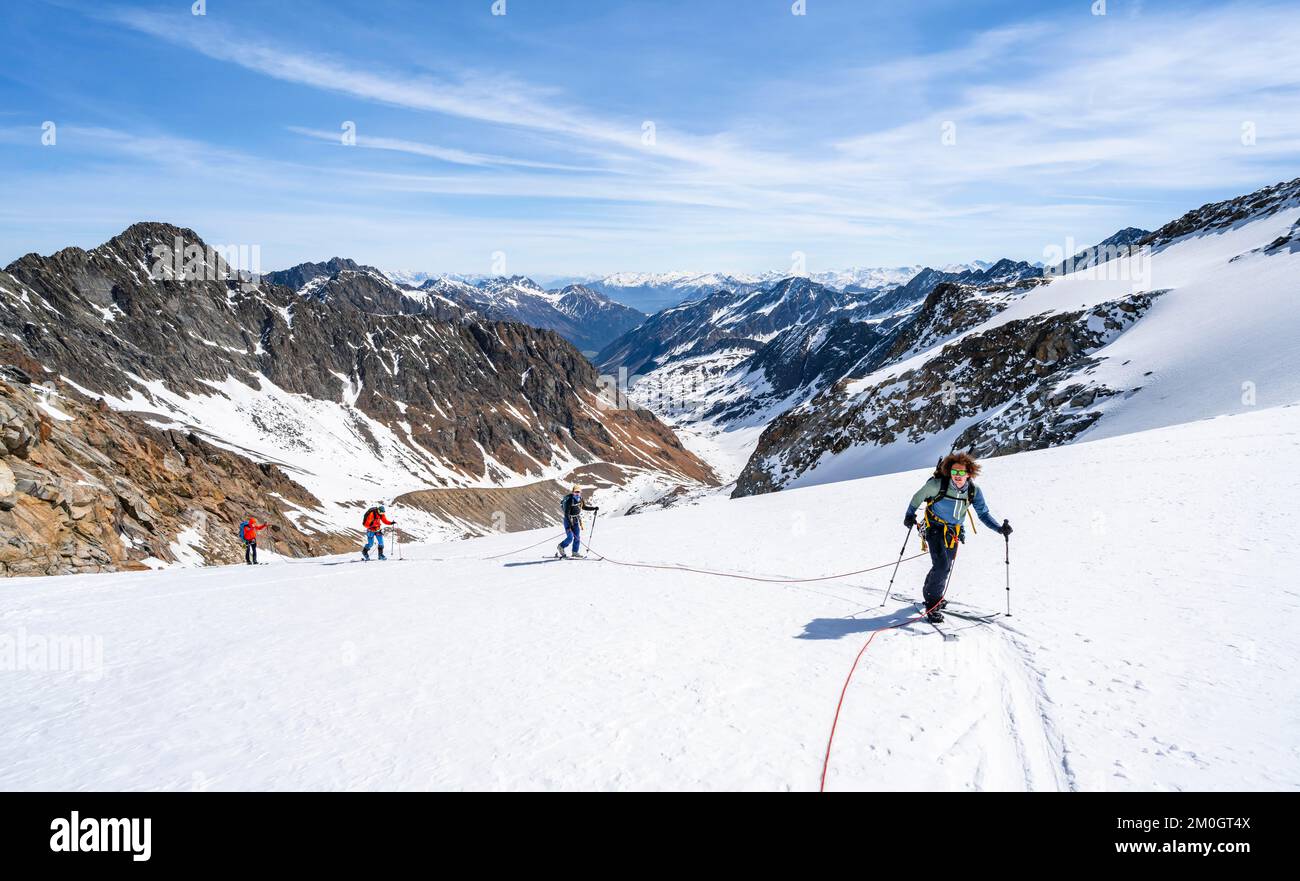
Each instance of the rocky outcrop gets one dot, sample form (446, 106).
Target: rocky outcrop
(1024, 383)
(1119, 244)
(1218, 216)
(949, 310)
(1003, 272)
(298, 277)
(84, 488)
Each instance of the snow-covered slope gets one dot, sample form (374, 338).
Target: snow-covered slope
(1140, 654)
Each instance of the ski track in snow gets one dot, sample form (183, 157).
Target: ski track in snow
(1136, 658)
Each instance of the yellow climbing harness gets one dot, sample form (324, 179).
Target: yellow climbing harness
(947, 528)
(954, 531)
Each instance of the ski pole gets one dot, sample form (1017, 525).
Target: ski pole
(906, 539)
(1006, 539)
(592, 534)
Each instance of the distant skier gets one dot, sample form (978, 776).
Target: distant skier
(572, 507)
(948, 495)
(374, 522)
(248, 530)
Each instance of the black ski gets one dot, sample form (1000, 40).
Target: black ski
(970, 613)
(937, 629)
(981, 619)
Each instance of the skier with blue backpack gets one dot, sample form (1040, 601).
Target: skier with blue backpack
(571, 507)
(248, 531)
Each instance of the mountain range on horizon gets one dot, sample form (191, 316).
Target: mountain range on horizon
(131, 399)
(649, 292)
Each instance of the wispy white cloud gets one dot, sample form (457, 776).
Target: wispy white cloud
(1116, 112)
(434, 151)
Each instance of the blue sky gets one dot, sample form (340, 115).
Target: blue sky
(524, 134)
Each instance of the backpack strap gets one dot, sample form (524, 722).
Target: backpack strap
(944, 482)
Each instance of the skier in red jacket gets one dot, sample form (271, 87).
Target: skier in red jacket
(249, 530)
(374, 521)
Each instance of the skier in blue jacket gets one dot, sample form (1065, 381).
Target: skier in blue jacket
(572, 506)
(947, 496)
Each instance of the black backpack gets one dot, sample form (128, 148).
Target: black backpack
(365, 518)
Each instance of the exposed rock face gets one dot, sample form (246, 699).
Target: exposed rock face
(1030, 374)
(1119, 244)
(804, 337)
(596, 318)
(948, 310)
(679, 329)
(582, 316)
(753, 314)
(99, 319)
(1003, 272)
(1217, 216)
(467, 401)
(1289, 243)
(298, 277)
(92, 490)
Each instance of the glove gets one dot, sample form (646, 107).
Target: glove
(596, 510)
(910, 520)
(1006, 527)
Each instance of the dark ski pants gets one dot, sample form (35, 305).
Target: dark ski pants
(941, 560)
(250, 548)
(572, 533)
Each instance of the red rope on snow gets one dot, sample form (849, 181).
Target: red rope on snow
(521, 550)
(676, 568)
(826, 762)
(843, 691)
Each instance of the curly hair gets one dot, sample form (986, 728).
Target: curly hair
(964, 459)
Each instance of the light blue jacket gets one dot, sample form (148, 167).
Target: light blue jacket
(951, 508)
